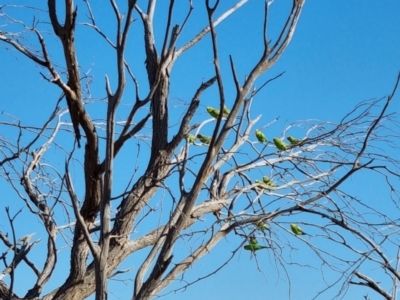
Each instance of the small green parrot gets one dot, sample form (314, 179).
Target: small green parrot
(226, 111)
(253, 241)
(254, 248)
(293, 140)
(253, 245)
(190, 138)
(213, 111)
(280, 144)
(271, 184)
(266, 180)
(264, 185)
(204, 139)
(297, 229)
(261, 137)
(262, 226)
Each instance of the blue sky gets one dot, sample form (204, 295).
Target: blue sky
(342, 52)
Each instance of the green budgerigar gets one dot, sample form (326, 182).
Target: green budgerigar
(204, 139)
(293, 140)
(253, 240)
(253, 245)
(213, 111)
(296, 229)
(190, 138)
(280, 144)
(261, 225)
(261, 137)
(268, 182)
(271, 184)
(264, 185)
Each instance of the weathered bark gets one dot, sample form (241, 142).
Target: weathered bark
(79, 117)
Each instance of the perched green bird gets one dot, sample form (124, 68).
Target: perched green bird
(261, 137)
(280, 144)
(253, 241)
(226, 111)
(264, 185)
(271, 184)
(266, 180)
(190, 138)
(204, 139)
(293, 140)
(297, 229)
(261, 225)
(254, 248)
(213, 111)
(253, 245)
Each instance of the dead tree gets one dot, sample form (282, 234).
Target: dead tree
(187, 186)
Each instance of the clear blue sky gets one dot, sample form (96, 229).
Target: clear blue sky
(343, 52)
